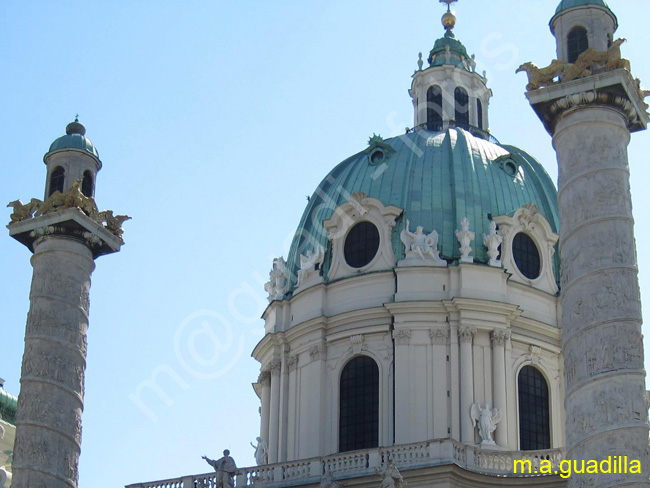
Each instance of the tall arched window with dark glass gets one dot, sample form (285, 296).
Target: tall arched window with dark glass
(461, 99)
(434, 108)
(359, 405)
(479, 113)
(57, 177)
(534, 423)
(88, 185)
(577, 43)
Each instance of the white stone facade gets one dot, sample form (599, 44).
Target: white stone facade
(443, 339)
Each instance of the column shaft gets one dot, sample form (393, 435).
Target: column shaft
(499, 338)
(465, 336)
(274, 420)
(601, 312)
(48, 422)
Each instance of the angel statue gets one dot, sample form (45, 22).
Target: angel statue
(390, 477)
(487, 420)
(419, 244)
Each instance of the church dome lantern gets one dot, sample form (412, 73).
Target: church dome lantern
(71, 158)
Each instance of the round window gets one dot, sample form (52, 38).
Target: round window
(526, 256)
(361, 244)
(510, 168)
(377, 156)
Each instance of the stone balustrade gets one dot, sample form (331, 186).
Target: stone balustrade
(363, 463)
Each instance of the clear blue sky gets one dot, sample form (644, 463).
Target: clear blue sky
(214, 120)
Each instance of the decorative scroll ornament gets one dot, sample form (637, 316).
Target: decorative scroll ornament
(465, 237)
(588, 63)
(598, 97)
(421, 248)
(310, 263)
(486, 419)
(492, 241)
(278, 280)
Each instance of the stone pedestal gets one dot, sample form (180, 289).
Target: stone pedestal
(607, 414)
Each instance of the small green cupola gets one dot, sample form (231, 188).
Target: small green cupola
(72, 157)
(582, 24)
(448, 50)
(450, 93)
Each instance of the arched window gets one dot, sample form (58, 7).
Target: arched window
(479, 111)
(88, 185)
(434, 108)
(359, 405)
(534, 425)
(462, 108)
(56, 180)
(577, 43)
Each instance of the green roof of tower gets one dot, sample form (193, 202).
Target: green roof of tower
(75, 138)
(457, 52)
(569, 4)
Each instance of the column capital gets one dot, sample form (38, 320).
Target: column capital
(275, 366)
(615, 89)
(466, 334)
(264, 378)
(439, 336)
(318, 351)
(402, 337)
(499, 337)
(292, 362)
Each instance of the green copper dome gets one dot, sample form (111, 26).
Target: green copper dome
(437, 178)
(449, 50)
(75, 138)
(8, 406)
(567, 4)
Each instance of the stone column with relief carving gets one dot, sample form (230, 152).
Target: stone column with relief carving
(499, 339)
(66, 234)
(590, 120)
(466, 337)
(48, 420)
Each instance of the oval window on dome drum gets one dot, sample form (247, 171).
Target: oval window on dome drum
(526, 255)
(361, 244)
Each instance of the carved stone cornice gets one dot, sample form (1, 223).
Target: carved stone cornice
(264, 379)
(616, 89)
(275, 366)
(402, 337)
(594, 97)
(439, 336)
(466, 334)
(292, 362)
(499, 337)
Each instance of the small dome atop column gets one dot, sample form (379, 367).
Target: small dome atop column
(74, 138)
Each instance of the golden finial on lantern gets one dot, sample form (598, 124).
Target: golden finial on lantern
(449, 18)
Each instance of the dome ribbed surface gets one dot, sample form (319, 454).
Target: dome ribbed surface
(8, 406)
(74, 141)
(437, 178)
